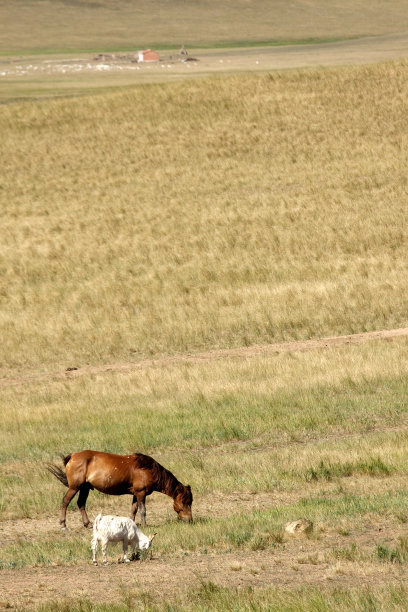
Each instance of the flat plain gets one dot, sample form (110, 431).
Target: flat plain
(204, 264)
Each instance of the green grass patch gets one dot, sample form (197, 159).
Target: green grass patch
(204, 424)
(59, 549)
(399, 554)
(201, 419)
(209, 596)
(373, 466)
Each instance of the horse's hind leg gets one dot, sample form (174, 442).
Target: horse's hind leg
(83, 496)
(65, 503)
(133, 509)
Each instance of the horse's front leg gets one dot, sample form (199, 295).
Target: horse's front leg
(65, 503)
(133, 509)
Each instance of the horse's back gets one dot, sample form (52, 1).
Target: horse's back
(106, 472)
(86, 455)
(116, 474)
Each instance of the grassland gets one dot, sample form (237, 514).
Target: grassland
(199, 215)
(261, 441)
(246, 417)
(52, 26)
(176, 218)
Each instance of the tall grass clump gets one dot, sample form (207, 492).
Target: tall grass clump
(399, 554)
(229, 212)
(373, 466)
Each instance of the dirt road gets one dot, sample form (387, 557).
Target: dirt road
(366, 50)
(241, 352)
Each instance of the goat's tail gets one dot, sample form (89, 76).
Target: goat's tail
(59, 472)
(94, 543)
(96, 522)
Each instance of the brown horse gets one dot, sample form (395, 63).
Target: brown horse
(138, 475)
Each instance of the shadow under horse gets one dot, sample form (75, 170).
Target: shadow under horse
(138, 475)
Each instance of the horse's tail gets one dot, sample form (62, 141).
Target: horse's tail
(59, 472)
(66, 458)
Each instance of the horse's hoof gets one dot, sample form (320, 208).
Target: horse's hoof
(63, 528)
(88, 525)
(95, 563)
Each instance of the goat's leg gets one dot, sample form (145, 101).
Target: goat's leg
(125, 549)
(94, 550)
(133, 509)
(104, 549)
(65, 503)
(83, 496)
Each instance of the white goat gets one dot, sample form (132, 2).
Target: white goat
(118, 529)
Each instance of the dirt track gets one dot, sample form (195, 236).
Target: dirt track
(241, 352)
(371, 49)
(160, 577)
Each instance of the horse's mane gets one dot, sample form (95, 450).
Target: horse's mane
(166, 481)
(187, 496)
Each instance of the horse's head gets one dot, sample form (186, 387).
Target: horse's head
(183, 502)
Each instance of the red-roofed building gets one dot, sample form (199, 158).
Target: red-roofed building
(148, 56)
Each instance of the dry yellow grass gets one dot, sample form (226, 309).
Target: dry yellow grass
(45, 25)
(207, 214)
